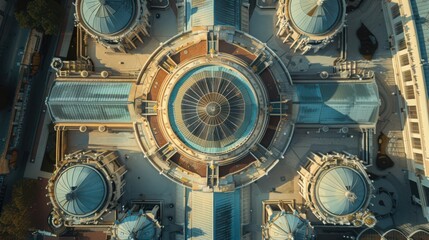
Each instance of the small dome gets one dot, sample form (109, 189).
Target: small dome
(316, 17)
(288, 226)
(107, 16)
(80, 190)
(136, 226)
(341, 190)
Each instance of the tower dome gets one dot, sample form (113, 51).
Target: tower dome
(137, 225)
(107, 16)
(337, 189)
(84, 186)
(288, 226)
(341, 190)
(316, 17)
(111, 22)
(80, 190)
(310, 24)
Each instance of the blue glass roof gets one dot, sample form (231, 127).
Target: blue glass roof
(316, 17)
(107, 16)
(215, 216)
(420, 15)
(80, 190)
(209, 13)
(89, 102)
(341, 190)
(337, 103)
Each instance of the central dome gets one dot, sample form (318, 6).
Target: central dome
(213, 109)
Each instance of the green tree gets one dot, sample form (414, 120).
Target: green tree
(14, 219)
(42, 15)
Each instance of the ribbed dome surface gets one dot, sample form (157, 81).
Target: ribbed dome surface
(107, 16)
(288, 227)
(80, 190)
(341, 190)
(135, 226)
(316, 17)
(213, 109)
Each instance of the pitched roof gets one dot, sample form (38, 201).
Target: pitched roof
(215, 215)
(89, 102)
(337, 103)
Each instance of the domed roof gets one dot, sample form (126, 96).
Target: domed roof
(107, 16)
(80, 190)
(135, 226)
(316, 17)
(341, 190)
(288, 227)
(213, 109)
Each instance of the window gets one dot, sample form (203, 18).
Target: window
(398, 28)
(404, 59)
(416, 143)
(412, 112)
(418, 158)
(395, 11)
(414, 127)
(406, 76)
(402, 44)
(409, 92)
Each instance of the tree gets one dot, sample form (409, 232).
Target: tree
(42, 15)
(14, 219)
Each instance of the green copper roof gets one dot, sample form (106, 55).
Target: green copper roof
(341, 190)
(107, 16)
(316, 17)
(80, 190)
(89, 102)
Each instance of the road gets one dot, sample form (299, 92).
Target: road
(37, 98)
(12, 44)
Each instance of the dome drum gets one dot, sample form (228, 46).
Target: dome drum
(84, 186)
